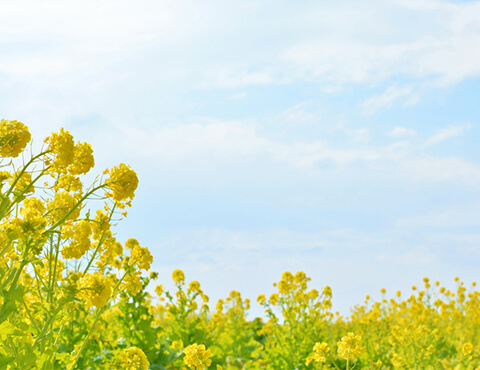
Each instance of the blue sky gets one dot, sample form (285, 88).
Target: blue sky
(339, 138)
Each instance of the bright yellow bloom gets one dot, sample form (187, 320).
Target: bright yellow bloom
(321, 351)
(4, 176)
(131, 243)
(32, 212)
(141, 256)
(274, 299)
(68, 183)
(132, 358)
(14, 137)
(24, 184)
(261, 299)
(100, 225)
(194, 286)
(123, 182)
(95, 288)
(178, 276)
(159, 290)
(196, 356)
(62, 146)
(61, 205)
(80, 243)
(467, 348)
(350, 346)
(83, 159)
(132, 283)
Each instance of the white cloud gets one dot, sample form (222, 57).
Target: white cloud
(446, 133)
(238, 96)
(452, 217)
(386, 99)
(59, 38)
(439, 47)
(402, 132)
(243, 78)
(334, 44)
(215, 144)
(435, 169)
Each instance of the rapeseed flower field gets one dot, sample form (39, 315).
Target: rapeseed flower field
(74, 297)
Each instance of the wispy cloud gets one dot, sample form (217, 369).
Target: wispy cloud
(215, 144)
(386, 99)
(446, 133)
(402, 132)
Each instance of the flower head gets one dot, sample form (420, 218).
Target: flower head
(83, 159)
(350, 346)
(197, 356)
(61, 144)
(96, 289)
(14, 137)
(178, 276)
(467, 348)
(320, 353)
(123, 182)
(132, 358)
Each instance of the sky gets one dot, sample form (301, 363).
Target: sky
(339, 138)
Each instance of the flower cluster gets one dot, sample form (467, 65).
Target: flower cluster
(320, 353)
(14, 137)
(95, 289)
(197, 356)
(132, 358)
(350, 346)
(123, 182)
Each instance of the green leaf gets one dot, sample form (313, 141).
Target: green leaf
(7, 328)
(5, 360)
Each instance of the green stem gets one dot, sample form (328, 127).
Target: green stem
(62, 220)
(99, 311)
(18, 270)
(100, 242)
(18, 177)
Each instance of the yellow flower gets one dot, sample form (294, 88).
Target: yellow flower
(4, 176)
(61, 205)
(178, 276)
(32, 212)
(80, 234)
(95, 288)
(350, 346)
(14, 137)
(194, 286)
(100, 225)
(159, 290)
(177, 345)
(132, 358)
(132, 283)
(320, 353)
(196, 356)
(24, 184)
(83, 159)
(123, 182)
(274, 299)
(261, 299)
(141, 256)
(62, 146)
(467, 348)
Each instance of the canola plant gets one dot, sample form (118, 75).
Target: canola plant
(73, 297)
